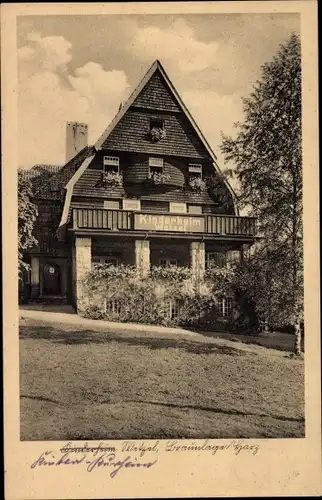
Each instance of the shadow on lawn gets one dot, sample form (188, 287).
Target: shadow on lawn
(85, 337)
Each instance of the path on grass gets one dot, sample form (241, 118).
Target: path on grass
(65, 315)
(81, 382)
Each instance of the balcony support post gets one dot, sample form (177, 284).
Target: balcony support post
(142, 257)
(197, 261)
(81, 265)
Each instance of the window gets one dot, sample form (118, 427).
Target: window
(215, 259)
(168, 262)
(232, 256)
(157, 123)
(155, 162)
(113, 307)
(225, 307)
(178, 207)
(155, 165)
(195, 171)
(111, 164)
(157, 129)
(171, 308)
(105, 259)
(195, 209)
(134, 205)
(111, 204)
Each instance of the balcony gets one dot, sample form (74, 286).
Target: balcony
(100, 220)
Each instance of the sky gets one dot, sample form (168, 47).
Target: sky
(80, 68)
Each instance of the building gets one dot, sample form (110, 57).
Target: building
(149, 192)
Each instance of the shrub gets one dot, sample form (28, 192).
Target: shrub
(112, 179)
(158, 178)
(157, 133)
(197, 309)
(170, 273)
(197, 184)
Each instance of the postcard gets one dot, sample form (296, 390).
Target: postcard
(161, 250)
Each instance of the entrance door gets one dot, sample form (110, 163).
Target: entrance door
(51, 279)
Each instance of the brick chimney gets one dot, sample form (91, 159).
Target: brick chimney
(76, 138)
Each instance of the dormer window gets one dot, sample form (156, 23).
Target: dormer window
(157, 123)
(157, 129)
(195, 171)
(155, 165)
(111, 164)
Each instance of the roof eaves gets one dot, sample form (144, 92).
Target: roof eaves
(69, 191)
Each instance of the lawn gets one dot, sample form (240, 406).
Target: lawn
(99, 384)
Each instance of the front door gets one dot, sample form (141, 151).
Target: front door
(51, 279)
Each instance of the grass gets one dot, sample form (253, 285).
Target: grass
(89, 384)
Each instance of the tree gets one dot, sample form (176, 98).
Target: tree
(268, 158)
(27, 214)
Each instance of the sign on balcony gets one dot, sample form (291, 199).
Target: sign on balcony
(177, 223)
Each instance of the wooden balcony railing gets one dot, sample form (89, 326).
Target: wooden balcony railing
(92, 218)
(126, 220)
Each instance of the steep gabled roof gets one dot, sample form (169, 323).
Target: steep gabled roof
(156, 66)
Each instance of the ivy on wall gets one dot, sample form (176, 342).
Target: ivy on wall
(167, 296)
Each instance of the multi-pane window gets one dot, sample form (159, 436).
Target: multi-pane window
(215, 259)
(113, 307)
(111, 164)
(171, 308)
(155, 165)
(225, 307)
(195, 171)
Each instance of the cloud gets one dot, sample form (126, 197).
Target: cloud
(49, 96)
(48, 53)
(177, 44)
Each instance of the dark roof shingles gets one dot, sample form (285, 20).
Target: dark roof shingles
(54, 187)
